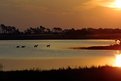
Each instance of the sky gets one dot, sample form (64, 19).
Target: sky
(61, 13)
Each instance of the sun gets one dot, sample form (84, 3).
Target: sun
(115, 4)
(118, 60)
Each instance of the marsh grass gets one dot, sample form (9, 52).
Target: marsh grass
(100, 73)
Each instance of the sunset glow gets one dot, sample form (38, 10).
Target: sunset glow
(116, 4)
(61, 13)
(118, 60)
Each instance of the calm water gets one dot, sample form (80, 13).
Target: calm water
(56, 56)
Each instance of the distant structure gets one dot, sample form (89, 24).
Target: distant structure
(35, 46)
(118, 41)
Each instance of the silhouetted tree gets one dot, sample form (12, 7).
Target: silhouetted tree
(3, 28)
(42, 29)
(57, 30)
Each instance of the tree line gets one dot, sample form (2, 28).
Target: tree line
(63, 33)
(57, 30)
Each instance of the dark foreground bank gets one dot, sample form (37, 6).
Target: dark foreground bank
(104, 73)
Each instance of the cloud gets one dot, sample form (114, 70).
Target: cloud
(90, 4)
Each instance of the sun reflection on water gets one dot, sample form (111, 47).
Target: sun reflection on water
(118, 59)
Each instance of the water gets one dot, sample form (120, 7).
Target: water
(58, 55)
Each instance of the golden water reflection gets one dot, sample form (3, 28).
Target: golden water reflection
(113, 59)
(118, 59)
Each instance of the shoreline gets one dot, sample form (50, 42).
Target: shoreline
(99, 73)
(56, 37)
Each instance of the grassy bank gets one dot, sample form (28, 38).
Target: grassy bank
(104, 73)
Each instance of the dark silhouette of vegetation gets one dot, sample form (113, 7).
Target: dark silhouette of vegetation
(101, 73)
(8, 30)
(41, 32)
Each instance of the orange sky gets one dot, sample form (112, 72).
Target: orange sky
(60, 13)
